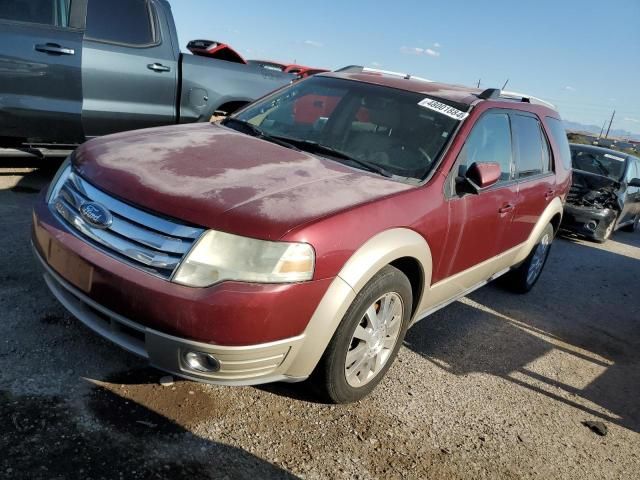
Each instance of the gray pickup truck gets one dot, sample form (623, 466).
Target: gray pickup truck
(71, 70)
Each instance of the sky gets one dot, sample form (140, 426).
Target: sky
(583, 56)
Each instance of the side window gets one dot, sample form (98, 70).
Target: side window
(528, 141)
(546, 153)
(44, 12)
(559, 136)
(120, 21)
(490, 142)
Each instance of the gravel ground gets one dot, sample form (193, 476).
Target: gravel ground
(494, 386)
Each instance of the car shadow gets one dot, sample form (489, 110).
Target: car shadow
(574, 345)
(106, 435)
(35, 173)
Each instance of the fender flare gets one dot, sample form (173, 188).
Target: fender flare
(380, 250)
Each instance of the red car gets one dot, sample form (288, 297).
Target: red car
(271, 249)
(293, 68)
(217, 50)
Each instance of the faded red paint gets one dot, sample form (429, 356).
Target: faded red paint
(217, 178)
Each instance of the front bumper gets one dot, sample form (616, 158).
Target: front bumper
(238, 365)
(254, 331)
(587, 221)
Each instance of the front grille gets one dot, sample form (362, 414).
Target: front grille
(139, 238)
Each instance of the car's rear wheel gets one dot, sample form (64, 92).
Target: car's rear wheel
(632, 227)
(367, 340)
(524, 277)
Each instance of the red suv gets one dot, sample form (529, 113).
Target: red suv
(270, 249)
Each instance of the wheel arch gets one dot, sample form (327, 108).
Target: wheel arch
(403, 248)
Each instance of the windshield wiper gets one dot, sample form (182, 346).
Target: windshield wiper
(257, 132)
(315, 147)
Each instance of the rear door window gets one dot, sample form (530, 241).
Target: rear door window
(528, 138)
(43, 12)
(126, 22)
(490, 142)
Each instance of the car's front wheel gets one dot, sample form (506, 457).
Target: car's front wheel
(367, 340)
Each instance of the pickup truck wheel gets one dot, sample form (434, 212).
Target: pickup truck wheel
(523, 278)
(633, 226)
(367, 340)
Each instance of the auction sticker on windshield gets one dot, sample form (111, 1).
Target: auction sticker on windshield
(613, 157)
(440, 107)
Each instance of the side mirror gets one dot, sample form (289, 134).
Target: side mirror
(635, 182)
(482, 175)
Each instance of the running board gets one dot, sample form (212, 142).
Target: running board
(425, 314)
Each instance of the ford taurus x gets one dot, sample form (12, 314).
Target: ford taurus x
(303, 235)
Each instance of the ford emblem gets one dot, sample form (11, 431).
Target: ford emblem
(96, 215)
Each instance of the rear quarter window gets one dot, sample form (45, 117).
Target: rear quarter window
(559, 136)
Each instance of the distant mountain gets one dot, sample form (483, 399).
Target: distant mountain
(580, 127)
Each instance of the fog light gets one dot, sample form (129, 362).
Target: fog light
(200, 362)
(591, 225)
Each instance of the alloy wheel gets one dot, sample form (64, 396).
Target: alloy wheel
(374, 340)
(539, 256)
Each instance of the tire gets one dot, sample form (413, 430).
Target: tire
(524, 277)
(342, 382)
(633, 226)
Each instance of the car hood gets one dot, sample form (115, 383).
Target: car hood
(215, 177)
(593, 181)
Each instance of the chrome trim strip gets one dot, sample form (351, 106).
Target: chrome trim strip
(127, 211)
(132, 230)
(144, 240)
(115, 243)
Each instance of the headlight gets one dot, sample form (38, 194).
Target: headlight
(58, 180)
(219, 256)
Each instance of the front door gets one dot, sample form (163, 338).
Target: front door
(130, 67)
(40, 76)
(478, 222)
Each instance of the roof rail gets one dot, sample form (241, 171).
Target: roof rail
(523, 97)
(496, 93)
(361, 69)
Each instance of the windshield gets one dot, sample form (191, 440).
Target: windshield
(366, 126)
(601, 163)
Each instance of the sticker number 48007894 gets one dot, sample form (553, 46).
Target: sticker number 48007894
(444, 109)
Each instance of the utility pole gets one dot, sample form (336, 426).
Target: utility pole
(479, 82)
(610, 122)
(602, 129)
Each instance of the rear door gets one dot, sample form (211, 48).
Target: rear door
(130, 67)
(534, 173)
(40, 76)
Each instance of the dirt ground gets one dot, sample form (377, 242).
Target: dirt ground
(494, 386)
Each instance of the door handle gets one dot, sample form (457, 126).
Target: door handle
(54, 49)
(505, 208)
(158, 67)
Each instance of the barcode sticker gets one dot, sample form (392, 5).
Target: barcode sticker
(444, 109)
